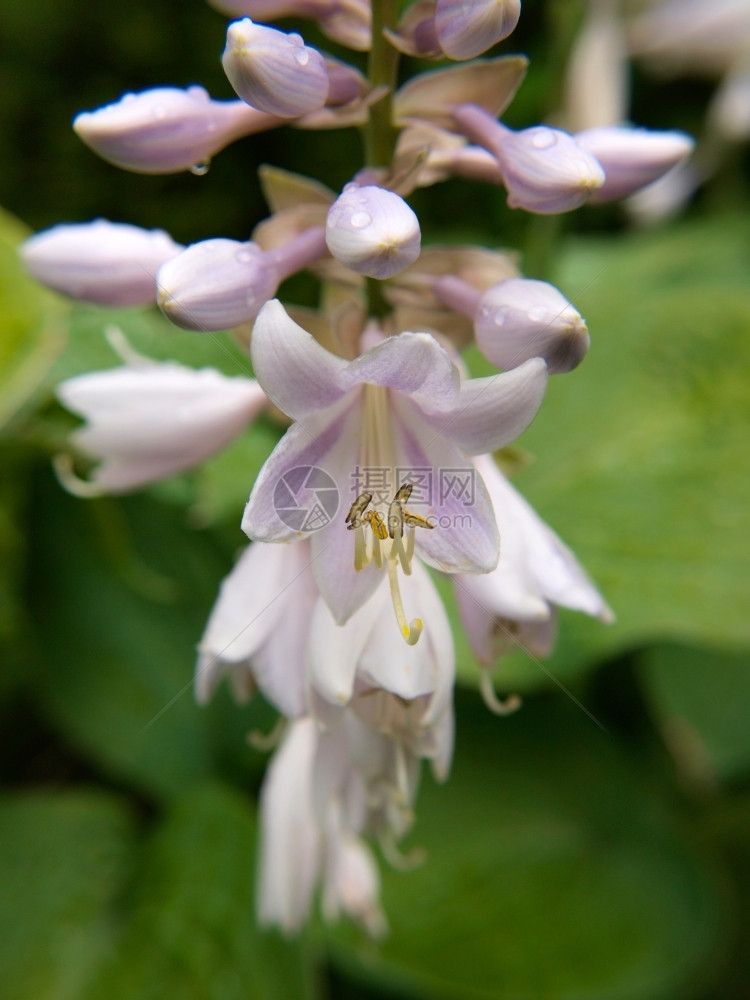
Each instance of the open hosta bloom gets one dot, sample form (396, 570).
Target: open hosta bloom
(400, 406)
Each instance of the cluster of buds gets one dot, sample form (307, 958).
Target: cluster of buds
(386, 473)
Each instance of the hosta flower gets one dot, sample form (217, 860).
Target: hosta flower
(399, 406)
(514, 605)
(110, 263)
(544, 169)
(313, 806)
(274, 71)
(373, 231)
(147, 420)
(259, 628)
(165, 130)
(520, 318)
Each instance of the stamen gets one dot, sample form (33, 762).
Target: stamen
(377, 552)
(410, 533)
(411, 631)
(498, 706)
(267, 741)
(395, 856)
(63, 466)
(360, 549)
(399, 552)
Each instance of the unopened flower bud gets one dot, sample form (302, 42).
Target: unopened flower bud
(544, 169)
(466, 30)
(166, 129)
(373, 231)
(274, 71)
(216, 284)
(110, 263)
(632, 157)
(520, 318)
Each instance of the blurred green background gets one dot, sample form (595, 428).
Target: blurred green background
(568, 858)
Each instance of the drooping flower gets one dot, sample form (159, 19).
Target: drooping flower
(515, 605)
(147, 420)
(398, 408)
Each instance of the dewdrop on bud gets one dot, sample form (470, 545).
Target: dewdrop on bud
(274, 71)
(632, 157)
(372, 231)
(216, 284)
(466, 30)
(165, 129)
(520, 318)
(544, 169)
(110, 263)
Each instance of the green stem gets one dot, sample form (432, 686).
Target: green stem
(382, 68)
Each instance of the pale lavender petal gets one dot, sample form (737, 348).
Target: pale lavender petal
(372, 231)
(299, 375)
(110, 263)
(464, 539)
(342, 587)
(165, 130)
(216, 284)
(311, 444)
(274, 71)
(465, 31)
(412, 363)
(491, 412)
(632, 157)
(520, 318)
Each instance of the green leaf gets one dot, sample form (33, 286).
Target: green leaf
(192, 932)
(555, 868)
(33, 324)
(642, 464)
(700, 700)
(150, 334)
(121, 594)
(64, 859)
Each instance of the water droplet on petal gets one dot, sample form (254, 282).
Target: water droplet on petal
(200, 169)
(543, 138)
(499, 318)
(245, 255)
(537, 314)
(360, 219)
(158, 111)
(302, 56)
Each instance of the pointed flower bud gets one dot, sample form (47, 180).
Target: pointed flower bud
(373, 231)
(110, 263)
(216, 284)
(166, 130)
(147, 420)
(544, 169)
(274, 71)
(520, 318)
(466, 30)
(632, 157)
